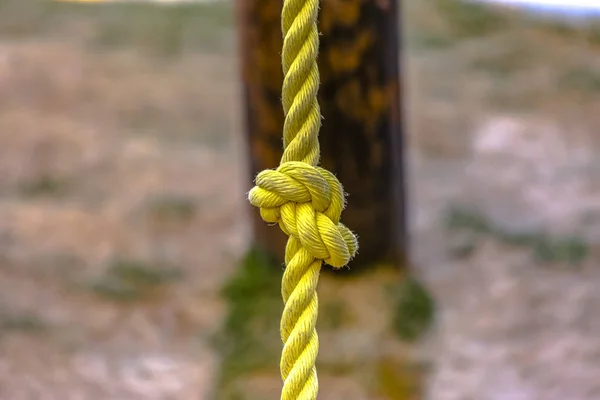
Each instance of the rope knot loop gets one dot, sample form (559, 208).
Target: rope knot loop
(307, 203)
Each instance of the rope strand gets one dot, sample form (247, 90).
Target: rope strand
(305, 200)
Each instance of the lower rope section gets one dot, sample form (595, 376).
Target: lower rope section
(307, 202)
(298, 323)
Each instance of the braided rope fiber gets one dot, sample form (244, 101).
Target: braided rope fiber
(306, 201)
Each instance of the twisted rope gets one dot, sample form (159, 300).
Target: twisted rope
(305, 200)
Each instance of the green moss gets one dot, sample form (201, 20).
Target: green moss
(250, 339)
(414, 310)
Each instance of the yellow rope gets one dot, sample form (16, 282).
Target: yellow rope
(305, 200)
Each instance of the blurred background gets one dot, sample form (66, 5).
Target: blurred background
(128, 268)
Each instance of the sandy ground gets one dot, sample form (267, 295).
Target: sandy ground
(503, 126)
(509, 327)
(103, 158)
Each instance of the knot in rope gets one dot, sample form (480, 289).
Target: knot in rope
(307, 203)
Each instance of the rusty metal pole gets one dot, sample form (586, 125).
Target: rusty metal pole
(362, 133)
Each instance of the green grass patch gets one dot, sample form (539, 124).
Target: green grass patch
(250, 336)
(583, 79)
(414, 309)
(21, 323)
(429, 40)
(504, 64)
(45, 186)
(472, 20)
(440, 24)
(571, 250)
(161, 30)
(167, 31)
(131, 280)
(172, 208)
(459, 218)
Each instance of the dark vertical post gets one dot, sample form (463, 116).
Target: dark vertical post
(361, 137)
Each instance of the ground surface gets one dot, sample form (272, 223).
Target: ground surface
(122, 211)
(503, 127)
